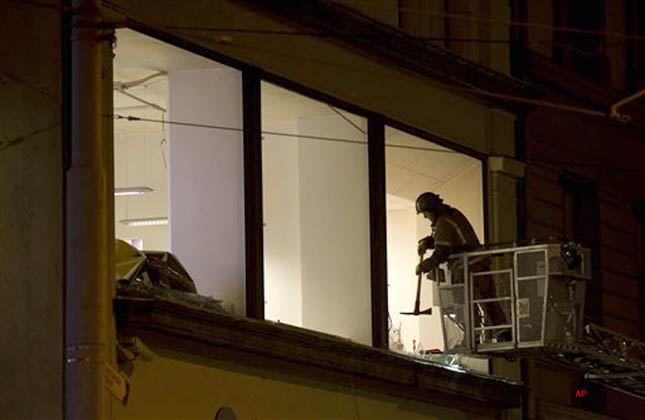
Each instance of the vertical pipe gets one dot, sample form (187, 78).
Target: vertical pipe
(87, 241)
(107, 98)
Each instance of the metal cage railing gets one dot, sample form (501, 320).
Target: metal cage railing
(513, 298)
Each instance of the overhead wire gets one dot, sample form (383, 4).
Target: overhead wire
(503, 22)
(474, 90)
(588, 165)
(467, 89)
(409, 10)
(433, 13)
(10, 142)
(317, 34)
(476, 18)
(132, 118)
(5, 78)
(268, 132)
(445, 15)
(163, 140)
(430, 39)
(346, 118)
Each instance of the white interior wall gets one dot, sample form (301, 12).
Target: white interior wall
(316, 214)
(139, 161)
(281, 202)
(206, 181)
(402, 282)
(334, 229)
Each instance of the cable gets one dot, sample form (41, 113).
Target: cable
(468, 89)
(334, 139)
(503, 22)
(513, 98)
(138, 99)
(482, 92)
(350, 122)
(163, 140)
(220, 127)
(4, 78)
(5, 144)
(409, 10)
(133, 83)
(387, 35)
(274, 133)
(453, 16)
(314, 34)
(588, 165)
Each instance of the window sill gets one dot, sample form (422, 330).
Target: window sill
(301, 352)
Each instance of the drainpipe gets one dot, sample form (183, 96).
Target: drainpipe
(87, 243)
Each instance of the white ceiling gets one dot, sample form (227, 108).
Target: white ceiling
(138, 56)
(414, 165)
(409, 171)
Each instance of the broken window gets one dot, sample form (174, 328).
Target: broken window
(178, 161)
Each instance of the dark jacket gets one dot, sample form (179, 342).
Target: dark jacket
(452, 233)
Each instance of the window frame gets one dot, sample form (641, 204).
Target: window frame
(254, 253)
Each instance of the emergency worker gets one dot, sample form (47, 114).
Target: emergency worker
(451, 231)
(452, 234)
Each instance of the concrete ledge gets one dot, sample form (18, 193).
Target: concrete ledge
(305, 353)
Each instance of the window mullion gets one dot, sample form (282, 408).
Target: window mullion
(253, 223)
(378, 250)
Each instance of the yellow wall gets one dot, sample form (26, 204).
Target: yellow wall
(177, 386)
(31, 212)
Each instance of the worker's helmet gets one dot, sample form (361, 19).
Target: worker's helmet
(428, 202)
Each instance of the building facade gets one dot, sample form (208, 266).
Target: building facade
(283, 144)
(584, 172)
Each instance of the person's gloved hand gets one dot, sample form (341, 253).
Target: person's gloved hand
(425, 244)
(424, 267)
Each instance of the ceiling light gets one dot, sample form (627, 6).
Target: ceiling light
(132, 190)
(153, 221)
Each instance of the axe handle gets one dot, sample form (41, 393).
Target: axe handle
(417, 301)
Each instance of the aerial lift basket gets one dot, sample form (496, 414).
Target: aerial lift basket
(513, 298)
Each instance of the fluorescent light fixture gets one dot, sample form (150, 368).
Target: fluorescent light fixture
(132, 190)
(152, 221)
